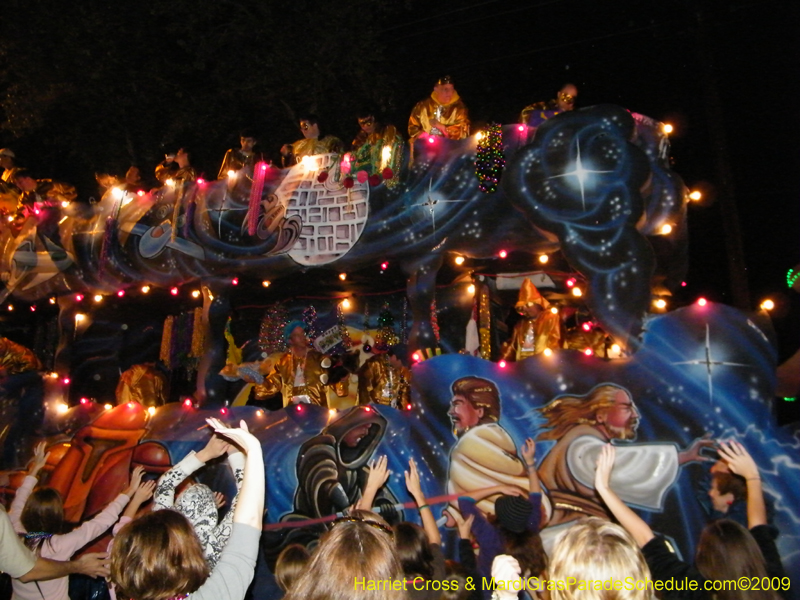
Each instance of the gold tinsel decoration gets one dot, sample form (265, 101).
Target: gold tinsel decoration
(484, 323)
(198, 337)
(166, 342)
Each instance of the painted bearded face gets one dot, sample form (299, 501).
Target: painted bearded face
(621, 420)
(463, 414)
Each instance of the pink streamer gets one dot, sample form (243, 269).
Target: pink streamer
(259, 173)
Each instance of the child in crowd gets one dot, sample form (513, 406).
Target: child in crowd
(39, 516)
(197, 502)
(159, 556)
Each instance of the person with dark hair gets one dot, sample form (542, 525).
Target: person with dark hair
(186, 172)
(515, 527)
(312, 142)
(443, 113)
(726, 550)
(419, 548)
(383, 379)
(377, 145)
(484, 455)
(537, 113)
(245, 157)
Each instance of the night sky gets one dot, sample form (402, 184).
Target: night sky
(99, 87)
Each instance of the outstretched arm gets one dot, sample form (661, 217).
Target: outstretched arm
(425, 513)
(528, 455)
(93, 565)
(640, 530)
(741, 463)
(250, 507)
(378, 474)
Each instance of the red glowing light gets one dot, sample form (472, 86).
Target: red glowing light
(367, 409)
(223, 411)
(235, 281)
(131, 404)
(174, 291)
(502, 364)
(264, 167)
(299, 408)
(33, 309)
(121, 293)
(587, 326)
(37, 211)
(431, 139)
(65, 381)
(140, 193)
(702, 301)
(79, 297)
(384, 266)
(521, 127)
(84, 401)
(503, 254)
(187, 403)
(408, 406)
(588, 352)
(200, 181)
(683, 284)
(416, 356)
(571, 282)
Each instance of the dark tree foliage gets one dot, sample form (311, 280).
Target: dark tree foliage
(98, 85)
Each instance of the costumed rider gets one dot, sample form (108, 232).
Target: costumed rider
(143, 383)
(300, 374)
(376, 146)
(537, 113)
(484, 455)
(245, 157)
(9, 192)
(20, 383)
(443, 113)
(311, 144)
(332, 471)
(538, 329)
(383, 379)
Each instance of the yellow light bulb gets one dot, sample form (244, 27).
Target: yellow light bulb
(459, 260)
(666, 229)
(576, 291)
(767, 304)
(145, 289)
(98, 298)
(668, 128)
(471, 288)
(479, 136)
(543, 258)
(554, 310)
(695, 195)
(342, 276)
(660, 303)
(547, 352)
(266, 283)
(346, 303)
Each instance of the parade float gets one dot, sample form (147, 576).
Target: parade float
(427, 257)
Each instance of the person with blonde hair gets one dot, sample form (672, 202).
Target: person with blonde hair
(159, 555)
(594, 549)
(355, 560)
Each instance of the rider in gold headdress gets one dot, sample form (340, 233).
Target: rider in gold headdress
(538, 329)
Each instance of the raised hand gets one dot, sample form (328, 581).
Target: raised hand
(605, 463)
(136, 480)
(219, 500)
(378, 473)
(144, 492)
(39, 459)
(529, 452)
(412, 481)
(738, 460)
(241, 436)
(216, 446)
(464, 525)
